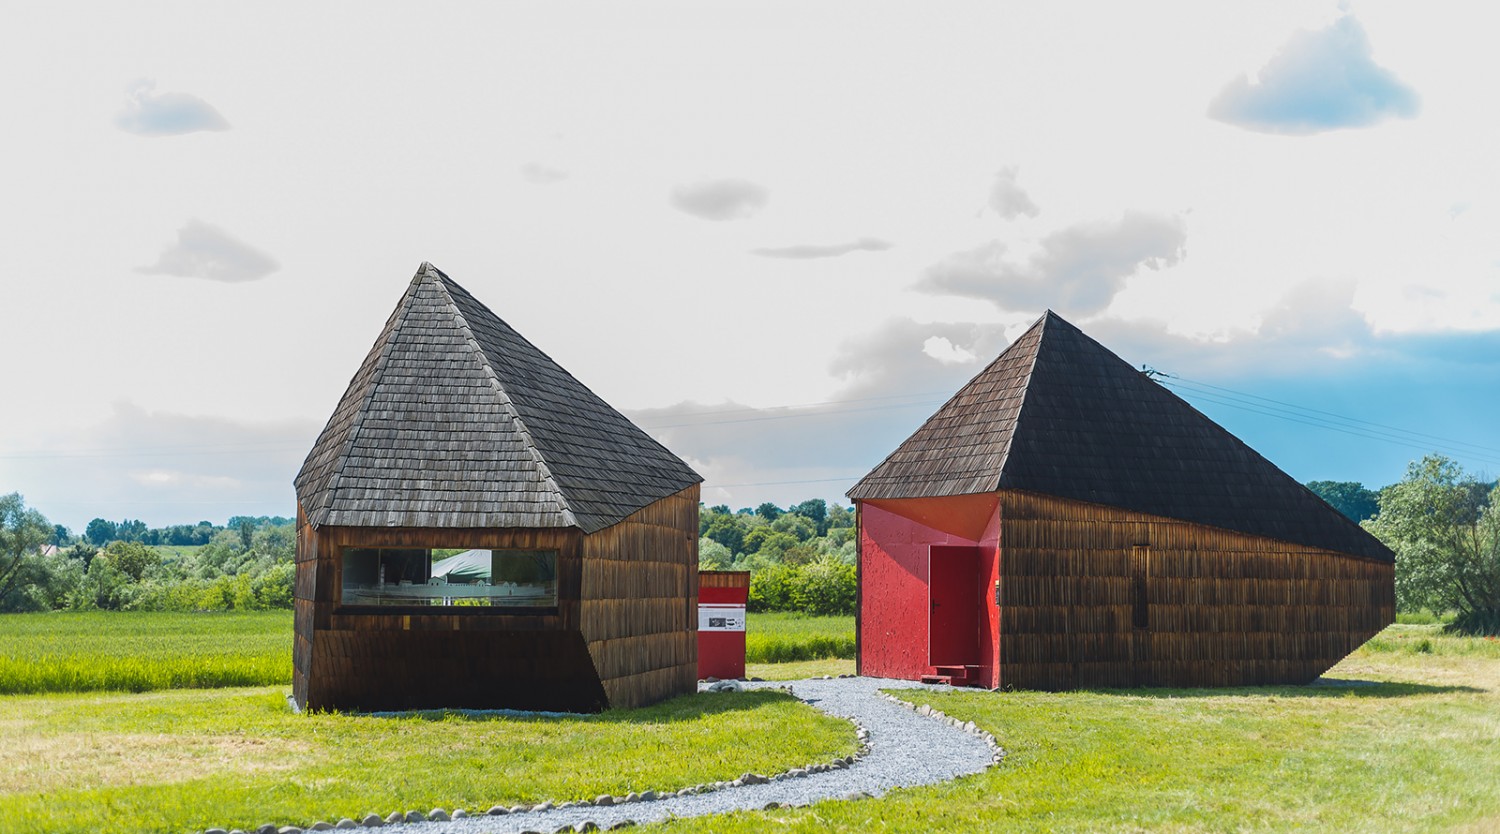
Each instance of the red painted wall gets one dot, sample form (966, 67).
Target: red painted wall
(989, 611)
(893, 638)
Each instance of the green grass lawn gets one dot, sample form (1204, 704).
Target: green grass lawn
(1414, 746)
(784, 638)
(136, 652)
(184, 760)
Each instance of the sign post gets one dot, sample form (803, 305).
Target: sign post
(722, 596)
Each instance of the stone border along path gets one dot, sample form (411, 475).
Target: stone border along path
(901, 745)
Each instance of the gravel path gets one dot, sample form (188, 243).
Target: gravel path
(905, 748)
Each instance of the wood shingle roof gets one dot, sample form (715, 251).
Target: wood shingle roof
(1057, 413)
(456, 420)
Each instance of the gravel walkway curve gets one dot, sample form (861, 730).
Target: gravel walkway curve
(906, 748)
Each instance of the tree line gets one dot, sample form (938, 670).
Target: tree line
(246, 564)
(1442, 523)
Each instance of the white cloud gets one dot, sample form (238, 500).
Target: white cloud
(1318, 81)
(149, 113)
(206, 251)
(946, 352)
(1077, 270)
(1008, 199)
(808, 251)
(725, 199)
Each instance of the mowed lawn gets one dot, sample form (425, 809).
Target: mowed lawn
(1412, 744)
(161, 754)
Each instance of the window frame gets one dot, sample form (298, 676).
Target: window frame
(340, 606)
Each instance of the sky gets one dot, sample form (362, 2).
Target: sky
(776, 235)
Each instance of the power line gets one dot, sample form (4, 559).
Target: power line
(1336, 416)
(1315, 422)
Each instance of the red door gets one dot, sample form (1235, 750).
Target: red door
(953, 603)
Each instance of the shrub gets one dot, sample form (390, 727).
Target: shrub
(771, 588)
(825, 587)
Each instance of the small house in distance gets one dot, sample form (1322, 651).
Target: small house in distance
(1064, 521)
(477, 529)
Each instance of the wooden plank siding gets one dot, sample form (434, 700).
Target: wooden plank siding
(1221, 608)
(364, 659)
(623, 633)
(639, 608)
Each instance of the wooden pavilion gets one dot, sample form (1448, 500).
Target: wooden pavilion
(1065, 521)
(476, 528)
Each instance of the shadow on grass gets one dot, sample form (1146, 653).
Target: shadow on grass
(694, 707)
(1322, 688)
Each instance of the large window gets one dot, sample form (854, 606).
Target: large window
(406, 577)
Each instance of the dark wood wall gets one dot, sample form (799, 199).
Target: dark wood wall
(639, 601)
(379, 659)
(623, 634)
(1092, 596)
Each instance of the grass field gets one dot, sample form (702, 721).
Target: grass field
(1413, 745)
(1409, 741)
(185, 760)
(785, 638)
(136, 652)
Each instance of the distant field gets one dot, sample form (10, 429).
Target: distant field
(178, 549)
(140, 651)
(785, 638)
(137, 651)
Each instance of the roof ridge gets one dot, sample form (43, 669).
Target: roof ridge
(502, 395)
(398, 321)
(1015, 423)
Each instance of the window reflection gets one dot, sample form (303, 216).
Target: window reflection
(453, 577)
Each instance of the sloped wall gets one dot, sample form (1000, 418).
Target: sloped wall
(1218, 608)
(639, 602)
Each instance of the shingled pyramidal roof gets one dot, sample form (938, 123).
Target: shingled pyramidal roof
(456, 420)
(1057, 413)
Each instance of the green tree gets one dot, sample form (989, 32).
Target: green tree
(1348, 497)
(1444, 526)
(100, 532)
(131, 530)
(131, 558)
(816, 511)
(801, 527)
(768, 511)
(728, 531)
(713, 556)
(22, 532)
(840, 517)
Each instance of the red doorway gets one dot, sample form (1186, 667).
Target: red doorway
(953, 606)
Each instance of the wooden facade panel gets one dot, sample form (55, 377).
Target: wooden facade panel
(397, 670)
(623, 632)
(638, 609)
(1219, 608)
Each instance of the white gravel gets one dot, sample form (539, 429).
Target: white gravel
(905, 749)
